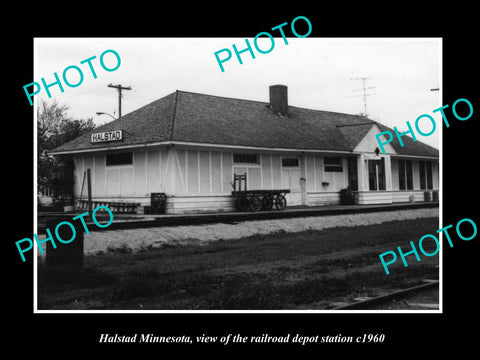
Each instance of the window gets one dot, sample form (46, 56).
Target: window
(381, 174)
(409, 166)
(333, 164)
(245, 158)
(429, 175)
(120, 159)
(426, 180)
(422, 174)
(405, 177)
(376, 174)
(290, 162)
(401, 175)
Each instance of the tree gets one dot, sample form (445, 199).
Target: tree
(54, 128)
(49, 118)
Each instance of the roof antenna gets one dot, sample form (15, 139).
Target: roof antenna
(365, 114)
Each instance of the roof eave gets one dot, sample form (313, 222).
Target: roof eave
(222, 147)
(107, 148)
(195, 144)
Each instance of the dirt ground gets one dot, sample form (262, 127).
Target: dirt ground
(307, 269)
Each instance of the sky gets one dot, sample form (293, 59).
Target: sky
(320, 74)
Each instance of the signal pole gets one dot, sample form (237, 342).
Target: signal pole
(119, 88)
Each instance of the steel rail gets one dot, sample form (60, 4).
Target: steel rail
(388, 297)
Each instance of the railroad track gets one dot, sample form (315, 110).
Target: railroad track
(375, 301)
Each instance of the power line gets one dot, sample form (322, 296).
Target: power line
(136, 96)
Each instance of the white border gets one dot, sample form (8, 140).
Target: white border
(438, 311)
(35, 183)
(440, 180)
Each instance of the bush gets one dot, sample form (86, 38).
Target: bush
(346, 196)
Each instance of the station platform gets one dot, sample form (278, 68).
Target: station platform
(131, 221)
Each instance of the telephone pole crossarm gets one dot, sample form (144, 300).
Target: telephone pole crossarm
(119, 88)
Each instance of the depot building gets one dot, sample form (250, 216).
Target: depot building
(189, 146)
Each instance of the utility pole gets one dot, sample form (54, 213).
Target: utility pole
(120, 88)
(364, 92)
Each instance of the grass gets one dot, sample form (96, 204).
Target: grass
(275, 271)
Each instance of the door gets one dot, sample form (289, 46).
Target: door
(376, 174)
(292, 179)
(352, 173)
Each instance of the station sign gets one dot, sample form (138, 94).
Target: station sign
(107, 136)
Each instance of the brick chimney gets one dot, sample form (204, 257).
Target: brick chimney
(279, 99)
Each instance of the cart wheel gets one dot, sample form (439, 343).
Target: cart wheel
(254, 203)
(241, 203)
(267, 202)
(280, 202)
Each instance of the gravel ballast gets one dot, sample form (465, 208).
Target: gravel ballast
(136, 239)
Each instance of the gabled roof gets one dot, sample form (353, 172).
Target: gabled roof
(354, 133)
(198, 118)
